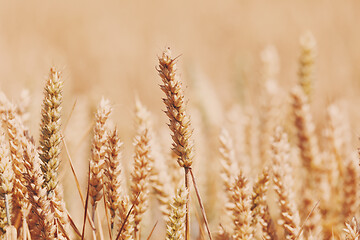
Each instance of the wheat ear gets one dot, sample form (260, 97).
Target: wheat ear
(142, 166)
(98, 154)
(350, 188)
(311, 159)
(126, 219)
(280, 150)
(175, 224)
(242, 215)
(179, 121)
(50, 144)
(42, 220)
(260, 209)
(229, 167)
(50, 130)
(307, 62)
(113, 175)
(15, 133)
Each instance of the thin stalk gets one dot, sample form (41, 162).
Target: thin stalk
(187, 206)
(201, 205)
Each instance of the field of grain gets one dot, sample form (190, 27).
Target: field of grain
(158, 119)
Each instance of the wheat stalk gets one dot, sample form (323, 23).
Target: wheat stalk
(179, 121)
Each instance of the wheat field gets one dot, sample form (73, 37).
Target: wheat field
(179, 120)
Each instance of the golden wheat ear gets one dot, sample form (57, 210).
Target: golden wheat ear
(260, 208)
(50, 129)
(142, 166)
(179, 120)
(42, 220)
(307, 63)
(98, 154)
(113, 175)
(175, 225)
(50, 145)
(16, 136)
(242, 215)
(289, 215)
(228, 171)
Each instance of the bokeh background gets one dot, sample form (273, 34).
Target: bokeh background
(110, 48)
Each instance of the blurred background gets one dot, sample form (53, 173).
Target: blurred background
(110, 48)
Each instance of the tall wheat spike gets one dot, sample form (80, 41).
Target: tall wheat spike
(307, 62)
(242, 216)
(128, 229)
(98, 154)
(179, 121)
(289, 215)
(142, 166)
(229, 169)
(113, 174)
(15, 132)
(311, 160)
(260, 209)
(50, 134)
(42, 220)
(50, 143)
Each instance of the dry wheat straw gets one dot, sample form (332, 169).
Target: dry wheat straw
(175, 225)
(98, 154)
(142, 166)
(179, 121)
(289, 215)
